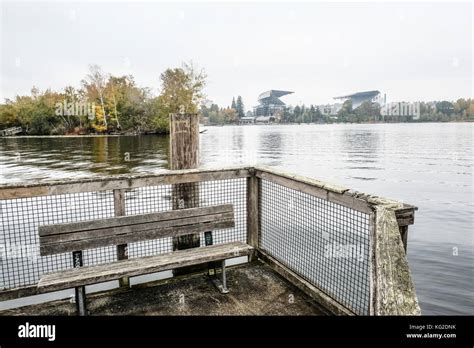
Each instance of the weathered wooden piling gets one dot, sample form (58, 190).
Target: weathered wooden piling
(184, 154)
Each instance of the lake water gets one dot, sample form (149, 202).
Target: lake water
(428, 165)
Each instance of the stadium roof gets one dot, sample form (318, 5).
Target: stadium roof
(271, 97)
(273, 93)
(368, 94)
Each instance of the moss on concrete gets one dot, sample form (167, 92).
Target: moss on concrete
(254, 290)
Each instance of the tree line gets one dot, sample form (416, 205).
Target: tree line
(435, 111)
(441, 111)
(215, 115)
(106, 104)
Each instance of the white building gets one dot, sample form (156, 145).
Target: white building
(247, 120)
(264, 119)
(329, 109)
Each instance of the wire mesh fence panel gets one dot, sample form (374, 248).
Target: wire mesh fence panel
(145, 200)
(227, 192)
(325, 243)
(21, 264)
(167, 197)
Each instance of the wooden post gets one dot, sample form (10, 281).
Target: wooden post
(252, 211)
(404, 235)
(122, 249)
(405, 217)
(184, 141)
(393, 288)
(184, 154)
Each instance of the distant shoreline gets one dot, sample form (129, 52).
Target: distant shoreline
(335, 123)
(224, 125)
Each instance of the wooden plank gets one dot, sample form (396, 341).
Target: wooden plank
(259, 170)
(315, 188)
(405, 218)
(318, 295)
(253, 211)
(135, 228)
(55, 248)
(405, 221)
(405, 208)
(394, 292)
(133, 267)
(350, 202)
(127, 229)
(15, 293)
(56, 187)
(293, 184)
(121, 221)
(400, 208)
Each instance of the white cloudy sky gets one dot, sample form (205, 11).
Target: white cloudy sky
(420, 51)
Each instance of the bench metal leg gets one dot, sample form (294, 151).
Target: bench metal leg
(80, 290)
(221, 284)
(81, 300)
(224, 279)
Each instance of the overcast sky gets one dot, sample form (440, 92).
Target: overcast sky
(411, 52)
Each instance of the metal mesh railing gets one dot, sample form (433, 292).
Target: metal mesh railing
(325, 243)
(20, 262)
(159, 198)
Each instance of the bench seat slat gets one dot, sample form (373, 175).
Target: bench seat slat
(144, 265)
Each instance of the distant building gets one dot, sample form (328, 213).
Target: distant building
(264, 119)
(247, 120)
(329, 109)
(361, 97)
(270, 104)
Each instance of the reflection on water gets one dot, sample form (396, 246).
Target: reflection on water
(361, 147)
(428, 165)
(64, 157)
(271, 144)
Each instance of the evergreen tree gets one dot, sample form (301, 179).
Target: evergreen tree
(298, 112)
(239, 107)
(233, 105)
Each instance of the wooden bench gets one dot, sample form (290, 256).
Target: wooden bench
(75, 237)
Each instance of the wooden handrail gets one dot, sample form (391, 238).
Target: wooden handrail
(169, 177)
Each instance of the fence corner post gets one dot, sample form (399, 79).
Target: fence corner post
(253, 224)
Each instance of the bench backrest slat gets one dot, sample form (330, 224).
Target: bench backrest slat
(82, 235)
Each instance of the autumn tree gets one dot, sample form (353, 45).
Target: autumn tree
(229, 115)
(95, 84)
(126, 102)
(182, 88)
